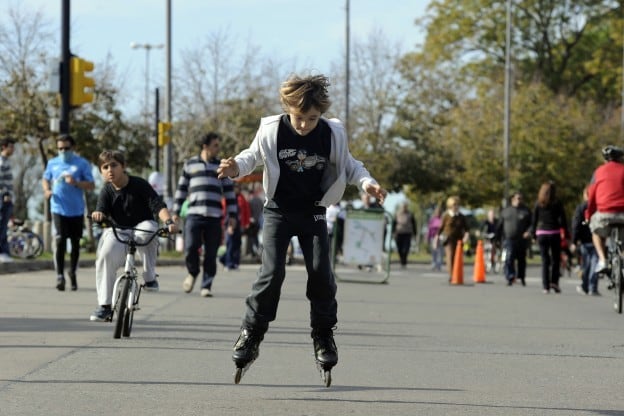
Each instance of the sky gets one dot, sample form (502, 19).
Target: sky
(308, 33)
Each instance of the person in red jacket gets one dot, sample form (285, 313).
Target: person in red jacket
(605, 203)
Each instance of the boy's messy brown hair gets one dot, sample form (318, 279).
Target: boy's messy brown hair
(305, 93)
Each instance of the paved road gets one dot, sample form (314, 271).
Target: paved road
(413, 346)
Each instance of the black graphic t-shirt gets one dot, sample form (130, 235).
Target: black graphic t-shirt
(302, 161)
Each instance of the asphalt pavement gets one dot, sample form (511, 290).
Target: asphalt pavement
(414, 346)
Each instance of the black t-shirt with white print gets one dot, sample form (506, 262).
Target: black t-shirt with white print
(302, 161)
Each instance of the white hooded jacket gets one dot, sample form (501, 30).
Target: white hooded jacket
(342, 169)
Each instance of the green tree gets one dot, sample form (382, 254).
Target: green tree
(572, 47)
(564, 103)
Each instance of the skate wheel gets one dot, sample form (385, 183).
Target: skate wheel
(238, 374)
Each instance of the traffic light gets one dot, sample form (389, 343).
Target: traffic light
(81, 85)
(164, 133)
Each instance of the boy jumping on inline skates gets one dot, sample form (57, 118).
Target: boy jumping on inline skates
(307, 165)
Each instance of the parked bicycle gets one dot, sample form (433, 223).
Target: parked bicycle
(127, 289)
(615, 264)
(23, 242)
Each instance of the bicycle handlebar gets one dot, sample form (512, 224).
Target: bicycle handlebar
(110, 223)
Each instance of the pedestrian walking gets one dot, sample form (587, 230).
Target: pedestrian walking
(199, 184)
(514, 230)
(453, 228)
(403, 230)
(548, 220)
(65, 180)
(437, 250)
(7, 147)
(582, 241)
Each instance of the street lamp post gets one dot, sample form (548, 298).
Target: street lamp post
(507, 104)
(148, 47)
(347, 69)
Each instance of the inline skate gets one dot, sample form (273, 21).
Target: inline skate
(325, 353)
(246, 350)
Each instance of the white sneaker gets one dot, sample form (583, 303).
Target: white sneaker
(206, 293)
(189, 282)
(5, 258)
(600, 267)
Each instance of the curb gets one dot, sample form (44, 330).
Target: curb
(28, 265)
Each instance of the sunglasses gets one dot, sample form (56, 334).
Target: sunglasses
(62, 149)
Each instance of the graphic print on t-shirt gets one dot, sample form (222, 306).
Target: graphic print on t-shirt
(302, 161)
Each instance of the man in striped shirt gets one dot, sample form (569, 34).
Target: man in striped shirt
(203, 225)
(7, 145)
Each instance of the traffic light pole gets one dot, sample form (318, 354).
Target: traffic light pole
(65, 69)
(156, 147)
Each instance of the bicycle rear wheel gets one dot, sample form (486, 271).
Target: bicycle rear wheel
(17, 245)
(616, 271)
(121, 306)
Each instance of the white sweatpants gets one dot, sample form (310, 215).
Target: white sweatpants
(111, 255)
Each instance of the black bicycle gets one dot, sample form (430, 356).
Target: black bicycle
(127, 289)
(614, 272)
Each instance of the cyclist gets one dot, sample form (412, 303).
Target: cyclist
(605, 203)
(129, 201)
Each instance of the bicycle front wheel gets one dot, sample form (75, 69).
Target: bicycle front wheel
(121, 306)
(35, 246)
(129, 316)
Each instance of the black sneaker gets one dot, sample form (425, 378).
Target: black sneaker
(247, 348)
(325, 349)
(152, 286)
(60, 283)
(103, 313)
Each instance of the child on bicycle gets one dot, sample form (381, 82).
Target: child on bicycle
(129, 201)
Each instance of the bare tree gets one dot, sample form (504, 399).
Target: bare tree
(374, 94)
(24, 102)
(223, 90)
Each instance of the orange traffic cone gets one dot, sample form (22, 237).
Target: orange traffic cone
(457, 278)
(479, 265)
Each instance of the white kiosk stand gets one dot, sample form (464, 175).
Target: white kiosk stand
(363, 258)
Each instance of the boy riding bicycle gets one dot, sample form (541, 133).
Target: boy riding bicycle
(129, 201)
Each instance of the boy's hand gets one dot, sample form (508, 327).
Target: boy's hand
(228, 168)
(376, 191)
